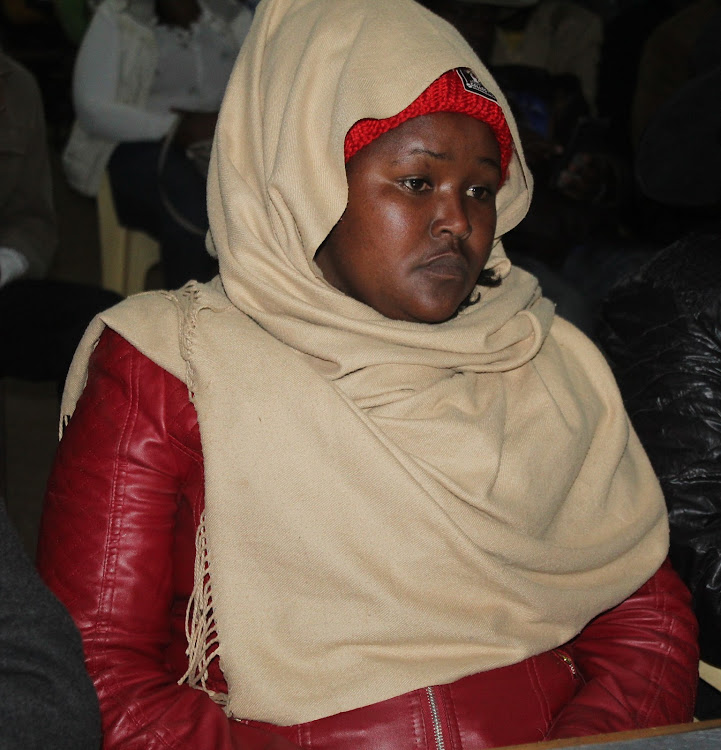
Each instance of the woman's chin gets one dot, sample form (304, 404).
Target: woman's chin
(438, 312)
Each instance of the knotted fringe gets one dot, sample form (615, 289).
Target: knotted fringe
(188, 300)
(200, 629)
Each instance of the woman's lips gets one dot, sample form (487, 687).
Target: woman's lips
(447, 264)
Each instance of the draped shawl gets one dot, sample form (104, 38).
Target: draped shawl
(389, 504)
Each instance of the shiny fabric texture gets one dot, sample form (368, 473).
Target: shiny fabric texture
(661, 329)
(117, 547)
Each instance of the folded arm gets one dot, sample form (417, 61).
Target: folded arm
(639, 662)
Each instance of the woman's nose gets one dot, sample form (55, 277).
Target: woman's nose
(451, 216)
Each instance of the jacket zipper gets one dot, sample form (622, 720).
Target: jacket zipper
(567, 660)
(440, 743)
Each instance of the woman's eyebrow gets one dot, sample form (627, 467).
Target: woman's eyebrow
(487, 160)
(425, 152)
(445, 156)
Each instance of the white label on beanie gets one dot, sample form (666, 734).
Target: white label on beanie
(473, 85)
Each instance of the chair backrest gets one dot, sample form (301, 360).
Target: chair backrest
(126, 255)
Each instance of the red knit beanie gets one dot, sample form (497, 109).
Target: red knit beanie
(455, 91)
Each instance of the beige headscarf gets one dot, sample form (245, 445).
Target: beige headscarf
(388, 504)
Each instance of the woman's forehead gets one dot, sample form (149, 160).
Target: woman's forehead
(443, 135)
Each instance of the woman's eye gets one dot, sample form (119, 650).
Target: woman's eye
(479, 193)
(415, 184)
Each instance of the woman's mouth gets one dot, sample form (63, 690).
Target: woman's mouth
(451, 265)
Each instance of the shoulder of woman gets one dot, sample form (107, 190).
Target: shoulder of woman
(572, 352)
(151, 322)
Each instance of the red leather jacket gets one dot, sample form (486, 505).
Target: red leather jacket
(117, 546)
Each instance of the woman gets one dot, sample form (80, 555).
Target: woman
(147, 86)
(338, 451)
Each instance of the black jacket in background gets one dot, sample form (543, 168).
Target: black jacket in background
(47, 701)
(661, 330)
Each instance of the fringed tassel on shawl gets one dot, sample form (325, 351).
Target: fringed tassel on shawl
(200, 629)
(187, 299)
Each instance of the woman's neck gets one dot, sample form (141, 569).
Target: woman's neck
(182, 13)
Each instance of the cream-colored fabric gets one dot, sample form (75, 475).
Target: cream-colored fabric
(388, 504)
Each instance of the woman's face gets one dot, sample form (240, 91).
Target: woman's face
(420, 220)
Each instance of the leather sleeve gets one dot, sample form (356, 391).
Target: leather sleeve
(639, 663)
(106, 548)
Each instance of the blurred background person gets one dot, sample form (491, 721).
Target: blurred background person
(41, 321)
(660, 327)
(148, 81)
